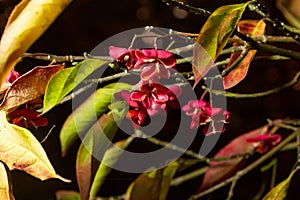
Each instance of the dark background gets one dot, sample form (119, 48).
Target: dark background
(85, 23)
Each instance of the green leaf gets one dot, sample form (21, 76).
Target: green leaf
(27, 22)
(86, 115)
(155, 185)
(111, 156)
(19, 149)
(67, 195)
(104, 127)
(279, 192)
(214, 36)
(66, 80)
(246, 27)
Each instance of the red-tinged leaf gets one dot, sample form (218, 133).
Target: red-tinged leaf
(155, 185)
(279, 192)
(28, 87)
(290, 9)
(220, 170)
(27, 22)
(5, 187)
(93, 142)
(214, 36)
(246, 27)
(20, 150)
(67, 195)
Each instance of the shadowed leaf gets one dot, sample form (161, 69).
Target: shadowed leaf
(214, 36)
(28, 87)
(155, 185)
(290, 10)
(66, 80)
(5, 188)
(220, 170)
(19, 149)
(27, 23)
(105, 127)
(246, 27)
(67, 195)
(110, 157)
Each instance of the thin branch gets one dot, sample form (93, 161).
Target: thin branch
(191, 9)
(255, 95)
(67, 58)
(236, 62)
(189, 176)
(250, 167)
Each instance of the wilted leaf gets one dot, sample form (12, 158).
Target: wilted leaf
(28, 87)
(214, 36)
(279, 192)
(155, 185)
(27, 23)
(5, 188)
(246, 27)
(66, 80)
(111, 156)
(19, 149)
(220, 170)
(290, 10)
(86, 115)
(105, 127)
(67, 195)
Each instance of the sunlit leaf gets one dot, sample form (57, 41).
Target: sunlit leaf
(279, 192)
(155, 185)
(66, 80)
(67, 195)
(28, 87)
(27, 23)
(111, 156)
(246, 27)
(86, 115)
(93, 142)
(5, 188)
(19, 149)
(290, 10)
(214, 36)
(220, 170)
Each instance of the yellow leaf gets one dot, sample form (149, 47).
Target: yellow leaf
(27, 23)
(5, 190)
(19, 149)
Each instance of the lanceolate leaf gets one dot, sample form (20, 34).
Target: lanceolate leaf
(220, 170)
(214, 36)
(19, 149)
(5, 188)
(105, 127)
(155, 185)
(27, 23)
(28, 87)
(86, 115)
(279, 192)
(111, 156)
(246, 27)
(66, 80)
